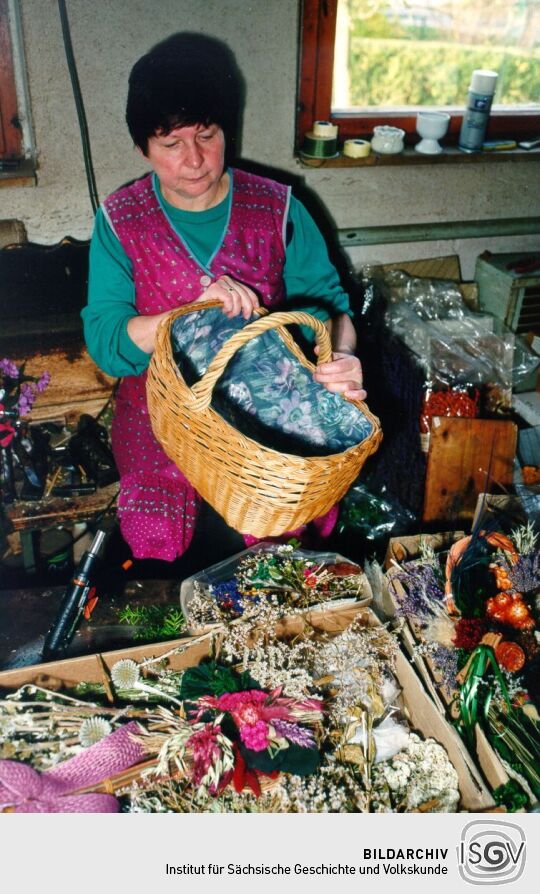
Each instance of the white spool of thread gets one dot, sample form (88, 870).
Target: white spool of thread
(324, 129)
(356, 148)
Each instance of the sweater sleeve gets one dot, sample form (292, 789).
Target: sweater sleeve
(111, 304)
(311, 280)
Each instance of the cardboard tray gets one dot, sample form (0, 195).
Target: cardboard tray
(420, 709)
(411, 637)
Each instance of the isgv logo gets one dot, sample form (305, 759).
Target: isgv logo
(491, 852)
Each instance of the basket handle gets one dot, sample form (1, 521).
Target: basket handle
(202, 390)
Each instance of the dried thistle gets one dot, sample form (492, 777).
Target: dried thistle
(93, 729)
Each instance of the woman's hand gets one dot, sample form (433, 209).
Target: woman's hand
(342, 374)
(235, 297)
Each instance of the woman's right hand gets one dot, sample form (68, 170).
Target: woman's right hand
(235, 297)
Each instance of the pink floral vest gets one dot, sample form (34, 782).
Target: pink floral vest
(157, 505)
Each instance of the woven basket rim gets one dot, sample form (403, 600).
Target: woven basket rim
(163, 336)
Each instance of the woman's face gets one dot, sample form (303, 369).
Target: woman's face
(189, 163)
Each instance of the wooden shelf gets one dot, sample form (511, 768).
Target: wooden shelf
(450, 155)
(23, 175)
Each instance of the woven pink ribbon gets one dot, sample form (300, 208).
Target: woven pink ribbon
(25, 790)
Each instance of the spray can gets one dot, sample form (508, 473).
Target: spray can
(476, 117)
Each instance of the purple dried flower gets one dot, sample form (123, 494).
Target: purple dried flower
(525, 574)
(295, 733)
(25, 403)
(421, 589)
(43, 382)
(446, 661)
(9, 368)
(27, 397)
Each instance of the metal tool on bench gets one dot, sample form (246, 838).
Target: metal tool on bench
(89, 449)
(79, 595)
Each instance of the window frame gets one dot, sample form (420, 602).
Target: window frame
(318, 30)
(11, 134)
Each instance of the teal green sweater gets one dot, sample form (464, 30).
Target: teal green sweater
(308, 274)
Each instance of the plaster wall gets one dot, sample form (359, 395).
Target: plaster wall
(109, 35)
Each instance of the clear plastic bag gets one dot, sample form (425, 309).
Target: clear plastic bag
(373, 516)
(455, 345)
(208, 582)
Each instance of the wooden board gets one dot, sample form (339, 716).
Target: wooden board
(33, 514)
(446, 267)
(76, 386)
(407, 547)
(461, 451)
(42, 292)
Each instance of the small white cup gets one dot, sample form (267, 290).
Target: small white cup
(431, 126)
(387, 140)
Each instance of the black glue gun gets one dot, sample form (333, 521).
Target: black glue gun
(79, 592)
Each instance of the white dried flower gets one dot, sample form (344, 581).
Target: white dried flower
(427, 553)
(93, 730)
(525, 538)
(420, 773)
(125, 674)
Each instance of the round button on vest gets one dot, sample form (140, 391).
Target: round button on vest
(205, 280)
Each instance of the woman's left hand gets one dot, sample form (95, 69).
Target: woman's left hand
(343, 374)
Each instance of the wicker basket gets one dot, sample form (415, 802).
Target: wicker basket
(257, 490)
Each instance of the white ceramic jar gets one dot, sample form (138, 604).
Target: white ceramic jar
(387, 140)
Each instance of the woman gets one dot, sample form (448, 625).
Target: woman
(193, 229)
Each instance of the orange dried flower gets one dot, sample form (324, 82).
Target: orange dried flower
(510, 656)
(518, 615)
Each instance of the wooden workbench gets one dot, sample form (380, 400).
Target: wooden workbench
(29, 515)
(27, 614)
(28, 518)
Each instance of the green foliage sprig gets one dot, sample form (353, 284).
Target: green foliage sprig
(155, 622)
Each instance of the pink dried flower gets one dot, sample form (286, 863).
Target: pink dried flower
(233, 701)
(255, 735)
(255, 713)
(205, 749)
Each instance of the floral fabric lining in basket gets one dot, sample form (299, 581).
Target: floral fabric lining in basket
(265, 392)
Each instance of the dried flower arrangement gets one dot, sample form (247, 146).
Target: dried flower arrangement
(475, 614)
(294, 576)
(18, 393)
(287, 719)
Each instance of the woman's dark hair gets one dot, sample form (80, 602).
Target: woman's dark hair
(184, 80)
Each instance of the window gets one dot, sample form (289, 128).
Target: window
(10, 129)
(369, 62)
(17, 155)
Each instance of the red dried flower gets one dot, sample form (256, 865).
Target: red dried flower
(7, 433)
(468, 633)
